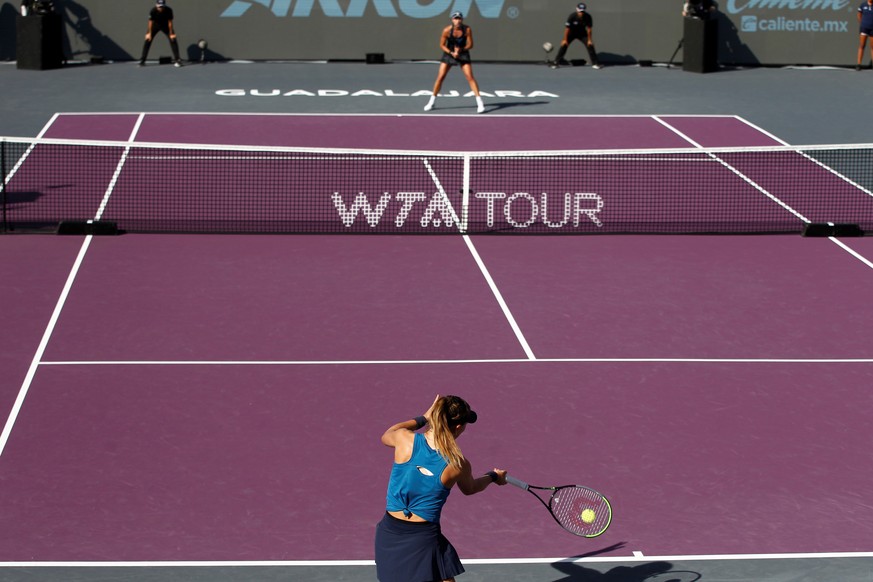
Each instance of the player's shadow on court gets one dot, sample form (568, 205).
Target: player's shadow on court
(648, 572)
(19, 198)
(492, 107)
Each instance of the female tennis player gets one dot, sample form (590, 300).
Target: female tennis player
(410, 546)
(456, 42)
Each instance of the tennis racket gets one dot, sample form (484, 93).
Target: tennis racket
(579, 510)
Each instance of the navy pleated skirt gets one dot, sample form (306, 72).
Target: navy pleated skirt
(463, 58)
(414, 552)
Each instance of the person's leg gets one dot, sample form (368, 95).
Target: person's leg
(559, 59)
(441, 75)
(592, 54)
(871, 53)
(561, 52)
(468, 72)
(174, 45)
(145, 51)
(467, 68)
(861, 49)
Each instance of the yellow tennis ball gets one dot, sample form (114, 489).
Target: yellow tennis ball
(588, 515)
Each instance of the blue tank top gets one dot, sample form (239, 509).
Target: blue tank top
(415, 486)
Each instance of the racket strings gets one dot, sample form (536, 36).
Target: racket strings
(568, 504)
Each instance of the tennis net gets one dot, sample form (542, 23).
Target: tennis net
(154, 188)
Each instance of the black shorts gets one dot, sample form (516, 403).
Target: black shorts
(414, 552)
(583, 39)
(462, 59)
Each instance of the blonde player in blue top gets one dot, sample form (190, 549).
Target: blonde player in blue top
(410, 546)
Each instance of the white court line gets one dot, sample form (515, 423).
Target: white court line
(851, 182)
(481, 561)
(31, 371)
(48, 125)
(481, 264)
(760, 130)
(739, 174)
(466, 116)
(40, 350)
(464, 361)
(810, 158)
(499, 297)
(11, 173)
(851, 251)
(111, 187)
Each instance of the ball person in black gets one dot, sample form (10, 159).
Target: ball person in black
(579, 26)
(161, 20)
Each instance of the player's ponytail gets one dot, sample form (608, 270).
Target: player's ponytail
(447, 414)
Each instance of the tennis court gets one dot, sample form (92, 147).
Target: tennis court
(187, 407)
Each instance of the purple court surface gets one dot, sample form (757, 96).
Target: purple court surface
(219, 399)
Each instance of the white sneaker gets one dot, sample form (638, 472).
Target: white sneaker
(480, 108)
(428, 107)
(598, 67)
(177, 64)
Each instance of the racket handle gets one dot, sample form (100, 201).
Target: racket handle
(517, 482)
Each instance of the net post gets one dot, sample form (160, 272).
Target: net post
(465, 201)
(3, 182)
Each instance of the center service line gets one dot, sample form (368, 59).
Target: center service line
(499, 297)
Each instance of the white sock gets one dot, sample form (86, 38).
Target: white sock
(429, 105)
(480, 105)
